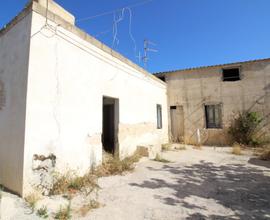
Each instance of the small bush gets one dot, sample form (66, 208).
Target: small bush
(244, 127)
(158, 158)
(43, 212)
(236, 149)
(63, 214)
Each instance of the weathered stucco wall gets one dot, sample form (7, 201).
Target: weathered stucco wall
(68, 77)
(196, 87)
(14, 51)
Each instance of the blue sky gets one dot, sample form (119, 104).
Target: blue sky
(187, 33)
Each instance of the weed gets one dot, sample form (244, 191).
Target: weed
(71, 183)
(32, 199)
(172, 147)
(236, 149)
(180, 147)
(93, 204)
(42, 212)
(114, 166)
(63, 214)
(158, 158)
(166, 147)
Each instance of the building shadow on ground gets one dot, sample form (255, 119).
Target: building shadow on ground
(245, 190)
(258, 162)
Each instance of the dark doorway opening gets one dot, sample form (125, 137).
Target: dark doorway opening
(110, 121)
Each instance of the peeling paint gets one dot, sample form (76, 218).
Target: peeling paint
(43, 168)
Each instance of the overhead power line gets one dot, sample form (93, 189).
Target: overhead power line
(113, 11)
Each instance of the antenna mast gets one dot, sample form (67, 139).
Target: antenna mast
(147, 49)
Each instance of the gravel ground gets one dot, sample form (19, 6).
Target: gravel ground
(209, 183)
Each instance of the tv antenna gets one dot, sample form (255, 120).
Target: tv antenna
(147, 49)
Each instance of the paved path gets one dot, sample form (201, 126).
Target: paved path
(198, 184)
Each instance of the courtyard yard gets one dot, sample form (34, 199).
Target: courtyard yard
(207, 183)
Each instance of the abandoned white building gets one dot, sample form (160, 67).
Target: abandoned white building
(202, 101)
(64, 97)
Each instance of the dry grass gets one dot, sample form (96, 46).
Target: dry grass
(114, 166)
(172, 147)
(180, 147)
(258, 151)
(262, 152)
(197, 147)
(166, 147)
(236, 149)
(70, 183)
(63, 213)
(32, 199)
(142, 151)
(93, 204)
(158, 158)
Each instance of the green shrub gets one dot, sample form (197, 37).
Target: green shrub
(43, 212)
(244, 127)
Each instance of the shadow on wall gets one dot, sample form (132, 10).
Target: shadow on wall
(242, 189)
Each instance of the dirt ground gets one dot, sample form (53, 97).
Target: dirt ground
(210, 183)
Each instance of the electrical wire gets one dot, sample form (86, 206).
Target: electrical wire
(115, 29)
(113, 11)
(56, 33)
(115, 23)
(103, 32)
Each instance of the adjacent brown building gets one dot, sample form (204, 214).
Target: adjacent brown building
(203, 100)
